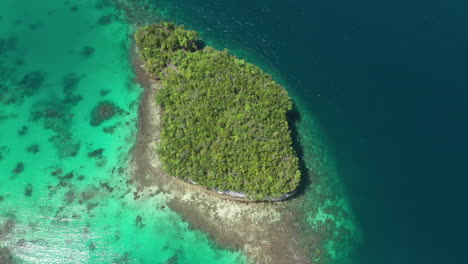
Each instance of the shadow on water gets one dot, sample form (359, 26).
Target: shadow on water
(294, 117)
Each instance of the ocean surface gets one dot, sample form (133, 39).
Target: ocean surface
(381, 96)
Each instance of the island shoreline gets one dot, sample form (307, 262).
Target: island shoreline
(265, 232)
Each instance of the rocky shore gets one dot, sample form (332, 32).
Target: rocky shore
(265, 232)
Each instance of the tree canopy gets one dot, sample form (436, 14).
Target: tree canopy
(224, 120)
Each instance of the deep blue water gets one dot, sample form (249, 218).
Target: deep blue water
(388, 83)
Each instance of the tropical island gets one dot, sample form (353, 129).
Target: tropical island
(224, 121)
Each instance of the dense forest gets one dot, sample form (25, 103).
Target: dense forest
(224, 120)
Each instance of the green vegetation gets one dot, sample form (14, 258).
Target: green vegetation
(224, 120)
(160, 44)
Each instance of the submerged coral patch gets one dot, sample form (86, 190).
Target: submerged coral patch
(23, 131)
(68, 176)
(101, 4)
(3, 151)
(72, 99)
(96, 153)
(21, 242)
(106, 186)
(105, 20)
(65, 145)
(109, 130)
(34, 148)
(56, 172)
(87, 51)
(91, 206)
(34, 26)
(31, 82)
(70, 83)
(7, 45)
(26, 87)
(28, 190)
(92, 246)
(104, 111)
(139, 221)
(104, 92)
(70, 196)
(19, 168)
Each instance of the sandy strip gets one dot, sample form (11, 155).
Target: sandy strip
(265, 232)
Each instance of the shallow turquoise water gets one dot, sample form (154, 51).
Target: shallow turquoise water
(63, 191)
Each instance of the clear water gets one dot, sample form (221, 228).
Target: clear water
(64, 195)
(380, 87)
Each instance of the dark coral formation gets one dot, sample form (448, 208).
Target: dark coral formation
(105, 20)
(89, 194)
(23, 131)
(57, 172)
(92, 246)
(28, 190)
(34, 148)
(136, 12)
(96, 153)
(34, 26)
(7, 45)
(173, 260)
(104, 92)
(31, 82)
(101, 4)
(106, 186)
(27, 86)
(91, 206)
(56, 115)
(109, 129)
(87, 51)
(104, 111)
(19, 168)
(139, 221)
(70, 196)
(2, 116)
(52, 190)
(70, 83)
(65, 145)
(21, 242)
(60, 217)
(68, 176)
(3, 152)
(72, 99)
